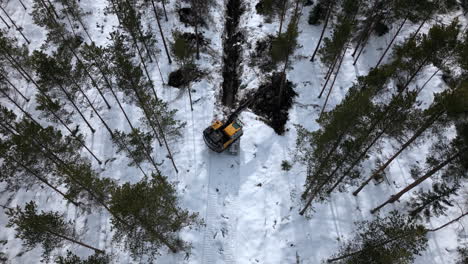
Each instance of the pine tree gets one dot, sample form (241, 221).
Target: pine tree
(52, 78)
(334, 49)
(315, 17)
(432, 117)
(131, 142)
(130, 78)
(160, 29)
(183, 51)
(392, 239)
(452, 157)
(48, 229)
(72, 8)
(201, 9)
(433, 202)
(153, 217)
(34, 148)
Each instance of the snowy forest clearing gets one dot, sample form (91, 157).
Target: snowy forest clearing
(249, 203)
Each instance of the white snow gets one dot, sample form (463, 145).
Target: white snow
(249, 205)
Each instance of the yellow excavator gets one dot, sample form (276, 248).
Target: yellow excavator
(223, 135)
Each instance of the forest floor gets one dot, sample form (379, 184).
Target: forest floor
(248, 203)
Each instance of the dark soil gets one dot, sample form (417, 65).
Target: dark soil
(184, 76)
(232, 52)
(266, 105)
(188, 17)
(191, 38)
(262, 57)
(381, 29)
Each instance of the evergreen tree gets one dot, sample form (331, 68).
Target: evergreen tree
(53, 81)
(130, 78)
(160, 29)
(392, 239)
(44, 154)
(201, 8)
(131, 142)
(183, 51)
(71, 8)
(432, 202)
(334, 49)
(48, 229)
(153, 217)
(449, 159)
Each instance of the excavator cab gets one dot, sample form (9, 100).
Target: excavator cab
(225, 135)
(220, 136)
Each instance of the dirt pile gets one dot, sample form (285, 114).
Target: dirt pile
(189, 18)
(184, 76)
(268, 105)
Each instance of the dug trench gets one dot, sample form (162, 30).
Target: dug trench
(268, 105)
(232, 50)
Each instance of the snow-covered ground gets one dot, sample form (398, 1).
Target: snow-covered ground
(249, 205)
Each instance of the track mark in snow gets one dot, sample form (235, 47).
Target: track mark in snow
(209, 253)
(219, 240)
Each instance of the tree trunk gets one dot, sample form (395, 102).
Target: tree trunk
(29, 78)
(21, 2)
(8, 26)
(448, 223)
(43, 180)
(114, 6)
(333, 82)
(359, 55)
(158, 124)
(14, 24)
(164, 8)
(140, 33)
(14, 87)
(78, 18)
(391, 42)
(53, 9)
(418, 133)
(327, 18)
(373, 246)
(79, 61)
(76, 242)
(56, 116)
(15, 65)
(420, 26)
(197, 40)
(374, 125)
(70, 99)
(329, 74)
(324, 161)
(93, 108)
(71, 24)
(161, 31)
(365, 34)
(355, 162)
(148, 117)
(283, 12)
(430, 173)
(428, 80)
(70, 172)
(140, 141)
